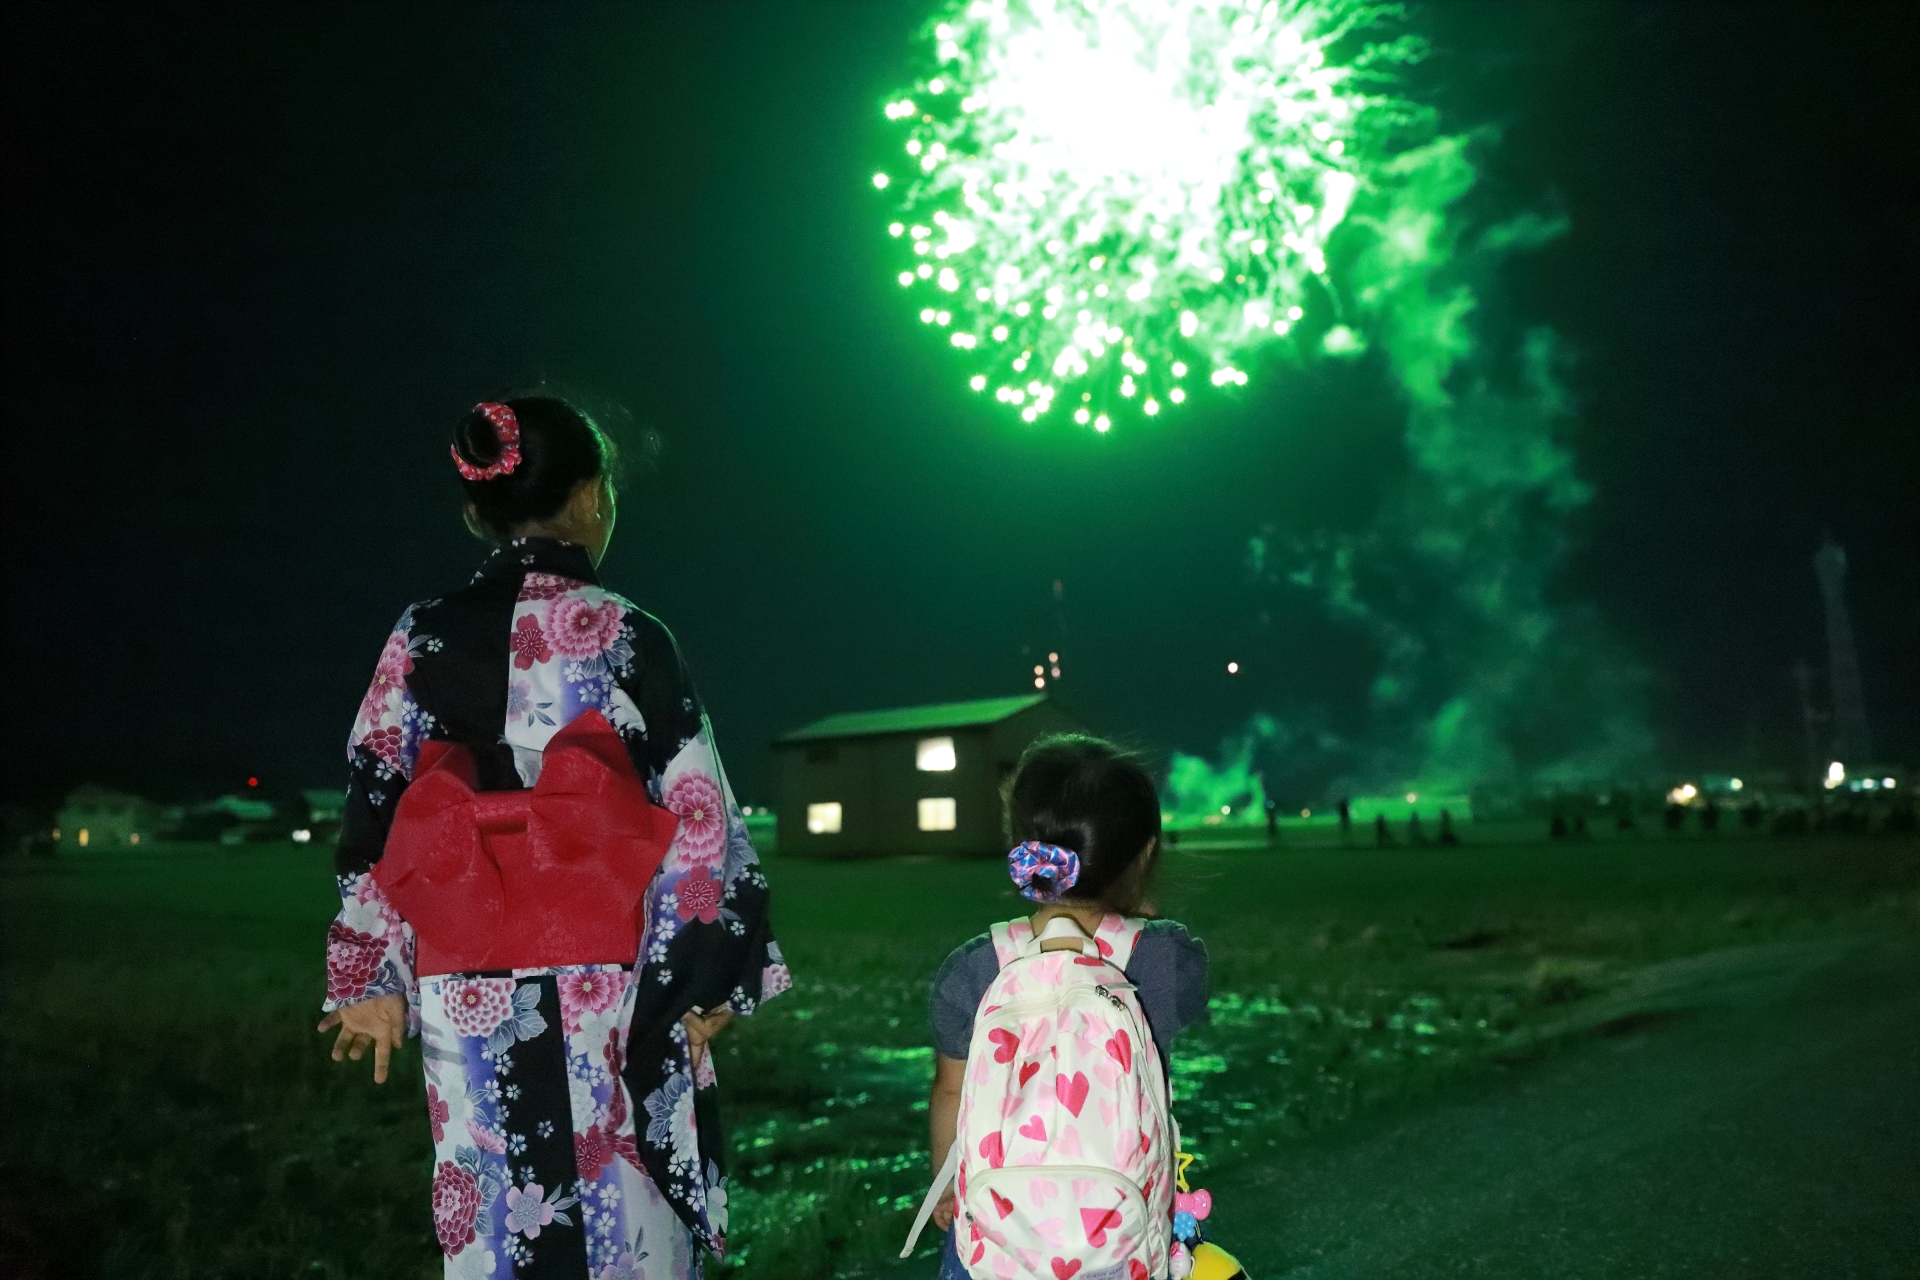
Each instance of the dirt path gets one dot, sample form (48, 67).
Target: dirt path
(1748, 1113)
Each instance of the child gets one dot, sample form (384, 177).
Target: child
(1085, 820)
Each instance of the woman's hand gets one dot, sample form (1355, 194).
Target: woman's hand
(380, 1022)
(702, 1027)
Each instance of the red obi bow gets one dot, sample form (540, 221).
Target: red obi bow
(526, 879)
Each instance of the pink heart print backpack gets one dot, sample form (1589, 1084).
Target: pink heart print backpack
(1063, 1160)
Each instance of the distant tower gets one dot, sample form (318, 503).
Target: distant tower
(1850, 744)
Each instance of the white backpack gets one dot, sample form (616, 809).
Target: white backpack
(1064, 1154)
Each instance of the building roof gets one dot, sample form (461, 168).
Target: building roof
(945, 715)
(91, 795)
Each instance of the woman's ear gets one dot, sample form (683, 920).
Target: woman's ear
(583, 504)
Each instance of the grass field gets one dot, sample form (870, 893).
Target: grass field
(169, 1112)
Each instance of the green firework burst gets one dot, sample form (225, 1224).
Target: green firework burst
(1106, 203)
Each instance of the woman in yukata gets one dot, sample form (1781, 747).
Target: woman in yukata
(544, 875)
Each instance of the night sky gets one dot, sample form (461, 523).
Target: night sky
(263, 257)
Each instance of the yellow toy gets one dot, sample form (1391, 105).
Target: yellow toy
(1195, 1258)
(1211, 1262)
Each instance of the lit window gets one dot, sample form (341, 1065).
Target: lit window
(936, 814)
(824, 819)
(83, 837)
(934, 755)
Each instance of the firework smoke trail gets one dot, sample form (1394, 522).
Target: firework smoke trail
(1484, 677)
(1103, 203)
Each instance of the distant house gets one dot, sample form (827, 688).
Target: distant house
(97, 818)
(325, 807)
(910, 780)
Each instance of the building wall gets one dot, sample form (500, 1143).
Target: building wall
(104, 824)
(879, 788)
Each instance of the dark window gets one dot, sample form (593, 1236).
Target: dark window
(823, 753)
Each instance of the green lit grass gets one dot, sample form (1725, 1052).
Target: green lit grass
(170, 1113)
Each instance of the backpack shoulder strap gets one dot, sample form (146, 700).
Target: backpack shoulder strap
(1010, 937)
(1117, 935)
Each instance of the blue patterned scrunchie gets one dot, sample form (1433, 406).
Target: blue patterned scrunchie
(1026, 861)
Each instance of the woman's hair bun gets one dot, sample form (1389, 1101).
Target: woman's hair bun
(520, 459)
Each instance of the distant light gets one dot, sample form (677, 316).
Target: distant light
(302, 835)
(1412, 796)
(1888, 783)
(1735, 785)
(1233, 668)
(1103, 423)
(83, 837)
(253, 782)
(1226, 808)
(1683, 794)
(1868, 784)
(1039, 682)
(824, 819)
(1836, 774)
(1053, 657)
(934, 755)
(978, 382)
(937, 813)
(1055, 673)
(1039, 671)
(880, 181)
(133, 837)
(1306, 813)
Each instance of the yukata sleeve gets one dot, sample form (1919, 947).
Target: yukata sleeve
(706, 940)
(709, 931)
(370, 949)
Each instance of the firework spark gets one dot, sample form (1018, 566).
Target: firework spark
(1106, 203)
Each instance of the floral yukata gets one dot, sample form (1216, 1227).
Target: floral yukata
(544, 1164)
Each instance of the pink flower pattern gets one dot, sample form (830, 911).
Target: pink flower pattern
(545, 586)
(699, 896)
(529, 643)
(695, 799)
(389, 676)
(353, 962)
(438, 1113)
(456, 1203)
(582, 994)
(527, 1210)
(580, 629)
(476, 1006)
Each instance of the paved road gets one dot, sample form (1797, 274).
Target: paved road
(1749, 1113)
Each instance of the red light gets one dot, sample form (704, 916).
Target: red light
(253, 782)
